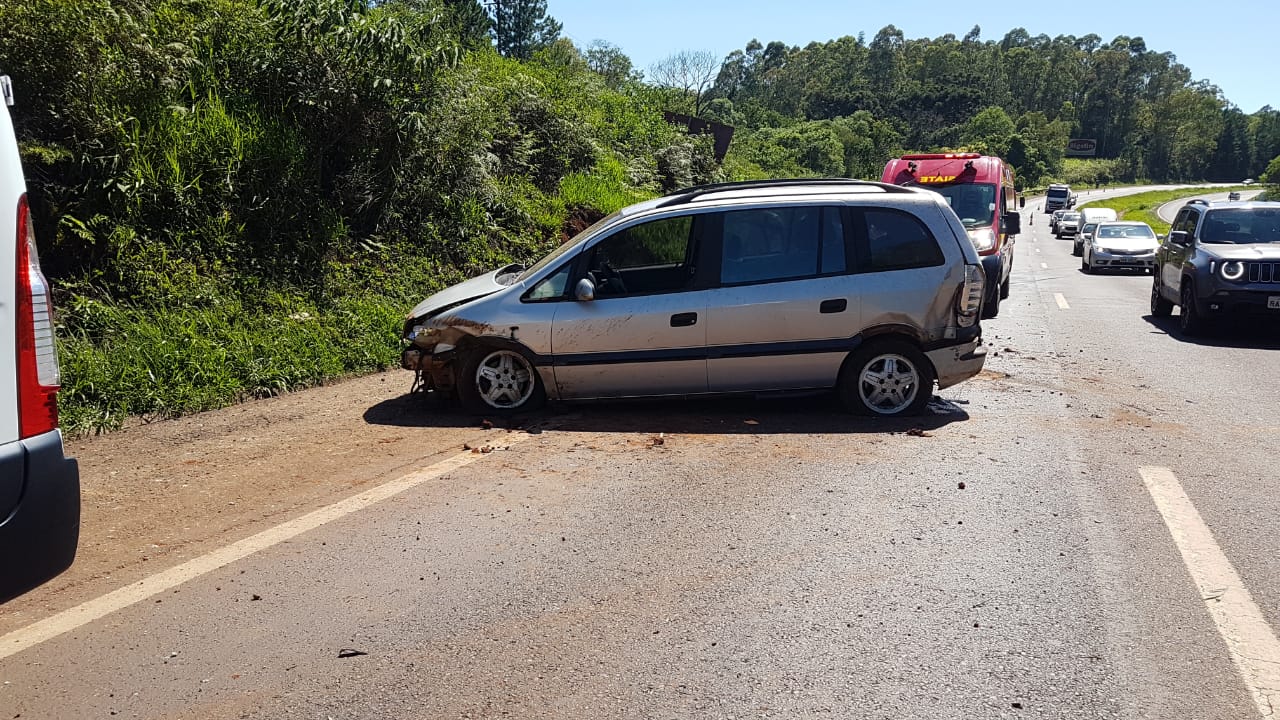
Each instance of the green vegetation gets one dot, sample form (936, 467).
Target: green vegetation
(1142, 206)
(236, 198)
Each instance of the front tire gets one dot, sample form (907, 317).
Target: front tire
(499, 381)
(1085, 265)
(991, 307)
(1189, 318)
(1159, 306)
(889, 378)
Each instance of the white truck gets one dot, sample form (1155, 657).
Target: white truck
(1058, 197)
(1090, 216)
(39, 484)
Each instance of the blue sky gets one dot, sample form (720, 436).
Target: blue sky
(1231, 45)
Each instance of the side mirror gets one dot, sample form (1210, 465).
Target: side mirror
(585, 290)
(1022, 202)
(1012, 223)
(1178, 237)
(1160, 236)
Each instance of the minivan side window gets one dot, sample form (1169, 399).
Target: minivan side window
(894, 240)
(551, 287)
(774, 244)
(651, 257)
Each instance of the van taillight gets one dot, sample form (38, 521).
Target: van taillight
(38, 374)
(969, 299)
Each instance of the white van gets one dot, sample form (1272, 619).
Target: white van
(1091, 216)
(39, 485)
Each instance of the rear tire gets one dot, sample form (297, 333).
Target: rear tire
(886, 378)
(1077, 249)
(1004, 286)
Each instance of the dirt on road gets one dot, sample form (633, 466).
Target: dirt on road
(155, 495)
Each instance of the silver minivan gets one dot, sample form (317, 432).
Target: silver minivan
(784, 285)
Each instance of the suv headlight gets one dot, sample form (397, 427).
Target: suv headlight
(1232, 270)
(983, 240)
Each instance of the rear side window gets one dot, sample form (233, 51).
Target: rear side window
(773, 244)
(894, 240)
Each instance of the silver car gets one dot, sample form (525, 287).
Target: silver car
(800, 285)
(1067, 224)
(1055, 218)
(1120, 245)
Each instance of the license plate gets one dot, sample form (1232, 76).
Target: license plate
(1273, 302)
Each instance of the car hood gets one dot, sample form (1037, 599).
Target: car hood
(1127, 243)
(1257, 251)
(465, 291)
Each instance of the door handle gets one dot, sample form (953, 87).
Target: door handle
(684, 319)
(833, 306)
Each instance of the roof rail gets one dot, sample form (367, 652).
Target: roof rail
(688, 195)
(1197, 201)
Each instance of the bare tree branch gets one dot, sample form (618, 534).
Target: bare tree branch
(692, 72)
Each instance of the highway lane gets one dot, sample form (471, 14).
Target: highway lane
(1169, 210)
(765, 559)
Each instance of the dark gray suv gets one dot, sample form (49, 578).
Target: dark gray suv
(1219, 259)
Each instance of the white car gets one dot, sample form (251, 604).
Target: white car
(39, 485)
(1120, 245)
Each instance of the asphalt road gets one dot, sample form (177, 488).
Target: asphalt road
(1169, 210)
(1000, 557)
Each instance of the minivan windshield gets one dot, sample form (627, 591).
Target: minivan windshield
(556, 254)
(975, 203)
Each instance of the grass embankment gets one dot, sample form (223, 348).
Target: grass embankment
(1142, 206)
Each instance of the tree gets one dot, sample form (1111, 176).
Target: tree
(523, 27)
(469, 21)
(608, 61)
(1272, 173)
(691, 72)
(989, 132)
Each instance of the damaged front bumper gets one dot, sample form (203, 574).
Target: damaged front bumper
(430, 357)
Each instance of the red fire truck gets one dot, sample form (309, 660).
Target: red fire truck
(980, 190)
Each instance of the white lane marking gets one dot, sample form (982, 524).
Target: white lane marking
(1037, 249)
(1061, 300)
(99, 607)
(1044, 266)
(1251, 642)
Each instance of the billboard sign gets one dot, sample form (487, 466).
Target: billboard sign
(1082, 147)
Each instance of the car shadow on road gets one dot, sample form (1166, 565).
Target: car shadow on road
(1245, 333)
(735, 415)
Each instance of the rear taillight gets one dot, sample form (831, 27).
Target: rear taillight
(38, 375)
(969, 299)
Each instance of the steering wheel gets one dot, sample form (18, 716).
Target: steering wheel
(613, 279)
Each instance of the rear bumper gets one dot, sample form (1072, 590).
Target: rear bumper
(38, 538)
(957, 363)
